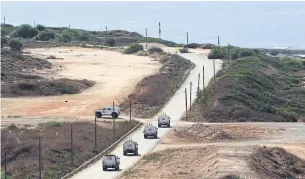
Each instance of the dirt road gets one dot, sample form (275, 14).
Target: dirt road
(175, 108)
(115, 75)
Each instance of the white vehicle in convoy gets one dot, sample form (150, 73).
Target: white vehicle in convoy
(114, 112)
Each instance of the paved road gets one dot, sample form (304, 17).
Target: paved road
(174, 108)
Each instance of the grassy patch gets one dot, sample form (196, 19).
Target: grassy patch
(152, 92)
(256, 88)
(133, 49)
(22, 147)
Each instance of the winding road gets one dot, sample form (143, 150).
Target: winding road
(175, 108)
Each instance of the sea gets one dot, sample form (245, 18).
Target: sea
(255, 24)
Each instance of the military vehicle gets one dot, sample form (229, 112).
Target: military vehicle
(150, 130)
(164, 120)
(130, 146)
(111, 161)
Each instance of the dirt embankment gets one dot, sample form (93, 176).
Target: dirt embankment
(115, 76)
(254, 88)
(19, 77)
(153, 91)
(22, 146)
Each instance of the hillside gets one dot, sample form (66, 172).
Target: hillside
(254, 87)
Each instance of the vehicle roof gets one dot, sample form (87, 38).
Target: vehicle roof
(110, 107)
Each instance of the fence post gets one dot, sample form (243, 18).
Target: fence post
(71, 145)
(191, 96)
(5, 164)
(95, 132)
(203, 75)
(113, 121)
(39, 155)
(198, 88)
(130, 111)
(185, 102)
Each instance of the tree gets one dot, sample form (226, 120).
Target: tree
(15, 45)
(46, 35)
(40, 27)
(110, 42)
(25, 31)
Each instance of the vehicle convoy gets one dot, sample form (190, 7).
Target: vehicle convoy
(111, 161)
(130, 146)
(150, 130)
(164, 120)
(112, 111)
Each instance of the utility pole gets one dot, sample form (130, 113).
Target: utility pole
(203, 76)
(39, 157)
(185, 92)
(106, 32)
(198, 87)
(69, 26)
(130, 111)
(187, 40)
(218, 42)
(34, 24)
(4, 20)
(159, 30)
(113, 121)
(191, 96)
(5, 164)
(228, 53)
(71, 144)
(214, 73)
(95, 144)
(146, 36)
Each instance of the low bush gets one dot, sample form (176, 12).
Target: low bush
(155, 49)
(133, 49)
(46, 35)
(40, 27)
(15, 45)
(110, 42)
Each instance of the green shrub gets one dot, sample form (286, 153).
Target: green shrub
(25, 31)
(66, 36)
(53, 124)
(83, 37)
(133, 49)
(110, 42)
(40, 27)
(15, 45)
(183, 50)
(245, 53)
(3, 42)
(46, 35)
(155, 49)
(216, 53)
(12, 126)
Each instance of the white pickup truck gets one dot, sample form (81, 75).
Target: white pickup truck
(114, 112)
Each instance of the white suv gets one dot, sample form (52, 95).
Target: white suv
(114, 112)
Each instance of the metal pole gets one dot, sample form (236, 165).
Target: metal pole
(39, 155)
(130, 111)
(4, 21)
(203, 75)
(146, 36)
(5, 164)
(159, 30)
(113, 121)
(95, 143)
(106, 32)
(228, 53)
(218, 42)
(34, 24)
(69, 26)
(214, 73)
(71, 144)
(187, 40)
(198, 88)
(185, 102)
(191, 96)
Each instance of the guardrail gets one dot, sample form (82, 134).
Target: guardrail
(173, 91)
(99, 156)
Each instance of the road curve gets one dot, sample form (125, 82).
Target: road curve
(174, 108)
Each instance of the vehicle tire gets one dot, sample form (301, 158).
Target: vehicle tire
(124, 153)
(114, 115)
(136, 153)
(159, 125)
(156, 136)
(117, 168)
(168, 125)
(98, 114)
(104, 168)
(145, 136)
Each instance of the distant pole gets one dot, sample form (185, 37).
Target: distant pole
(228, 53)
(5, 164)
(218, 42)
(69, 26)
(39, 157)
(113, 121)
(95, 144)
(187, 40)
(130, 111)
(4, 20)
(203, 75)
(185, 102)
(214, 74)
(146, 36)
(191, 96)
(106, 32)
(198, 87)
(159, 30)
(34, 24)
(71, 144)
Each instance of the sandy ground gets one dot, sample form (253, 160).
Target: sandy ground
(115, 75)
(175, 157)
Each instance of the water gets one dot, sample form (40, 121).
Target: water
(247, 24)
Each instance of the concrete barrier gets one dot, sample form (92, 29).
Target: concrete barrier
(99, 156)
